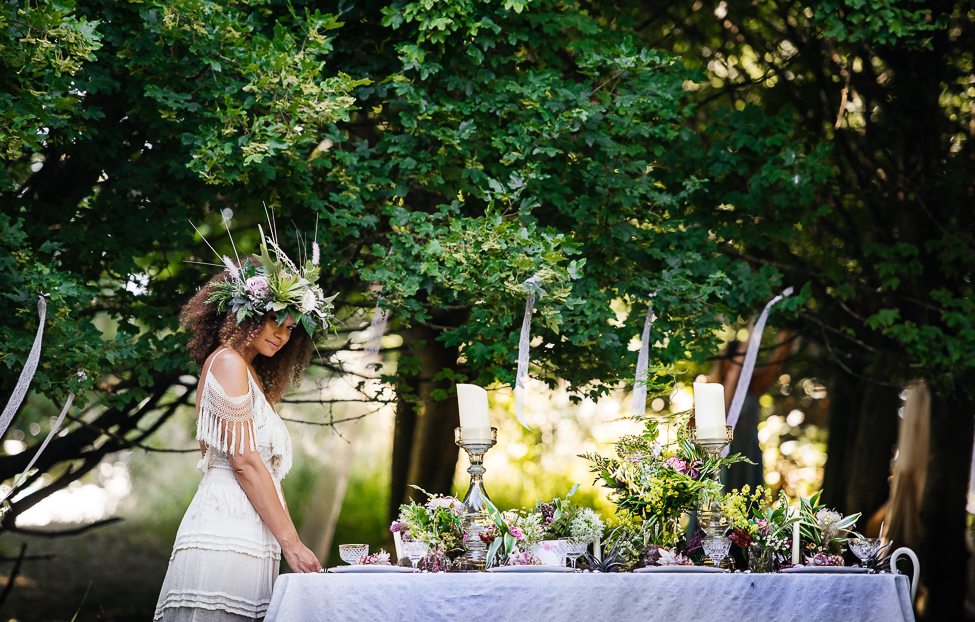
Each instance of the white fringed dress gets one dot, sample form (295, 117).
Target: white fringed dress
(225, 559)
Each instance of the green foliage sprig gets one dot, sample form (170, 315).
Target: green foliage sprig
(824, 529)
(659, 482)
(759, 518)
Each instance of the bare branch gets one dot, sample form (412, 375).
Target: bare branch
(41, 533)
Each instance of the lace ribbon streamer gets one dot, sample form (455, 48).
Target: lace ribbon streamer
(50, 435)
(20, 391)
(27, 374)
(638, 403)
(376, 331)
(533, 287)
(748, 367)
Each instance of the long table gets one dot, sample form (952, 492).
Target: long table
(585, 597)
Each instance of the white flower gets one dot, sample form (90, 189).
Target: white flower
(671, 558)
(531, 527)
(308, 301)
(586, 526)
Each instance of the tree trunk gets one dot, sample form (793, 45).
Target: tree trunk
(424, 453)
(402, 447)
(867, 482)
(944, 554)
(433, 457)
(845, 395)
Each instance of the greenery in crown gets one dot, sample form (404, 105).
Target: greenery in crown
(275, 285)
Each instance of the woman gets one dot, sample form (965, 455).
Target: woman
(251, 335)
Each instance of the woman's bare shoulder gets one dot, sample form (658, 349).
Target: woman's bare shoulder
(230, 370)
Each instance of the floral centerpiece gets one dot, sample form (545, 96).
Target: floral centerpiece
(512, 537)
(655, 483)
(561, 518)
(825, 531)
(761, 525)
(516, 532)
(440, 522)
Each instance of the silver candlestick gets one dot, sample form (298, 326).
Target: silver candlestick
(709, 514)
(476, 442)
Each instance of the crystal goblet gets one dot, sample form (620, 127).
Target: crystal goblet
(574, 549)
(415, 550)
(350, 553)
(865, 548)
(716, 548)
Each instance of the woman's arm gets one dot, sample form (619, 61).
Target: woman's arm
(253, 477)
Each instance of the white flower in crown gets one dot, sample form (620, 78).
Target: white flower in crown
(308, 301)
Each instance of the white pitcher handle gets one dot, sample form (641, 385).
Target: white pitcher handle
(917, 567)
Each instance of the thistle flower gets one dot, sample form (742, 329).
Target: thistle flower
(826, 520)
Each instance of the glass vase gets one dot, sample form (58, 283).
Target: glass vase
(760, 560)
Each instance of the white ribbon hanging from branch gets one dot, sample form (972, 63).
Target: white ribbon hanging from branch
(27, 374)
(20, 391)
(533, 287)
(745, 378)
(376, 331)
(638, 403)
(50, 435)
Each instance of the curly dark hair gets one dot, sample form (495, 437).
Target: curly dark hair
(212, 329)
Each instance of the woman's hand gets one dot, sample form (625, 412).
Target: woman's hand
(301, 559)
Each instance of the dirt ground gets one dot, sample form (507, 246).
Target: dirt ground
(120, 566)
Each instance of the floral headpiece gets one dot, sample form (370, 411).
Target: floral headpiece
(274, 285)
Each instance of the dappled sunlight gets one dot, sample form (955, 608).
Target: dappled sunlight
(81, 503)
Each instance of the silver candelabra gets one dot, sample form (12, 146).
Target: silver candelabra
(476, 442)
(709, 514)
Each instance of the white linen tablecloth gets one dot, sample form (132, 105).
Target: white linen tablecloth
(584, 597)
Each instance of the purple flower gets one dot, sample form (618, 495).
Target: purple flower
(695, 542)
(257, 286)
(395, 527)
(677, 464)
(824, 559)
(378, 559)
(523, 559)
(517, 533)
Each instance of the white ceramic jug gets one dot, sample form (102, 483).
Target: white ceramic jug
(917, 567)
(550, 552)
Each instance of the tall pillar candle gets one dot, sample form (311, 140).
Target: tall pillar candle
(472, 404)
(795, 544)
(709, 411)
